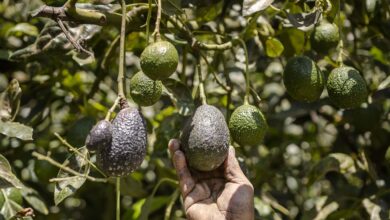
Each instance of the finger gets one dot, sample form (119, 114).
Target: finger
(233, 172)
(173, 146)
(186, 181)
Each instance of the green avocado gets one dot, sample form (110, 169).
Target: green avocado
(143, 90)
(325, 37)
(247, 125)
(346, 87)
(159, 60)
(128, 144)
(99, 136)
(303, 80)
(205, 139)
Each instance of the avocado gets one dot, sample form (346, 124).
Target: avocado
(143, 90)
(324, 37)
(128, 145)
(99, 136)
(247, 125)
(346, 87)
(159, 60)
(303, 80)
(205, 139)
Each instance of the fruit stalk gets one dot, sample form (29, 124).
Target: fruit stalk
(148, 19)
(118, 198)
(201, 86)
(121, 92)
(341, 43)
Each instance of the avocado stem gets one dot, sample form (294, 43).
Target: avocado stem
(341, 43)
(201, 86)
(112, 109)
(118, 198)
(121, 92)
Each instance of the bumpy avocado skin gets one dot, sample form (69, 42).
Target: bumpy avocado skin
(303, 80)
(325, 37)
(205, 139)
(247, 125)
(159, 60)
(143, 90)
(346, 87)
(128, 146)
(99, 136)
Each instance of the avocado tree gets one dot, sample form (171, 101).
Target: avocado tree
(91, 92)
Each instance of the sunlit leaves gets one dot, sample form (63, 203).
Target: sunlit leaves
(252, 6)
(7, 178)
(273, 47)
(67, 184)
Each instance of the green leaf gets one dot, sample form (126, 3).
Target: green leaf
(252, 6)
(70, 184)
(274, 48)
(34, 199)
(15, 129)
(180, 96)
(23, 29)
(7, 178)
(171, 7)
(337, 162)
(132, 187)
(10, 101)
(302, 21)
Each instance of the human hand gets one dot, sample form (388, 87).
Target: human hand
(224, 193)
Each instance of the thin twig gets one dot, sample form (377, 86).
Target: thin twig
(67, 169)
(112, 109)
(73, 149)
(341, 43)
(148, 19)
(75, 44)
(201, 86)
(121, 72)
(219, 82)
(118, 198)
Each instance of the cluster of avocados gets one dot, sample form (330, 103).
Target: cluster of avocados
(120, 145)
(158, 61)
(304, 81)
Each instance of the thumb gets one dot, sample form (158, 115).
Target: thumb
(233, 172)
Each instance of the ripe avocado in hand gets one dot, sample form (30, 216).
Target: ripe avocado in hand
(205, 139)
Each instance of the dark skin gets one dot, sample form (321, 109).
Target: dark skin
(224, 193)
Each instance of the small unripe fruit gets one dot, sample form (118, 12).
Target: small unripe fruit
(303, 80)
(346, 87)
(325, 37)
(159, 60)
(143, 90)
(247, 125)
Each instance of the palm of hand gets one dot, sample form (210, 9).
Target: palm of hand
(221, 194)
